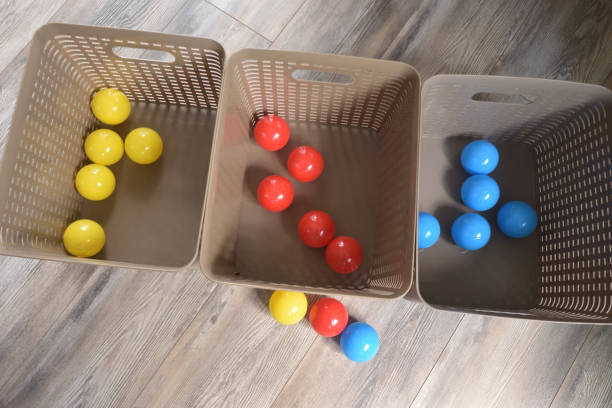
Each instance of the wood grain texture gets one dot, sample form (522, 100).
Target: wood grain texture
(112, 337)
(20, 19)
(230, 356)
(412, 339)
(73, 335)
(334, 20)
(502, 362)
(29, 305)
(589, 382)
(267, 17)
(546, 39)
(201, 19)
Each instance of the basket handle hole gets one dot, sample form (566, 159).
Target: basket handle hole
(515, 99)
(321, 76)
(143, 54)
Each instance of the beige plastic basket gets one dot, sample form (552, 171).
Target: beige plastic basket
(555, 145)
(363, 116)
(153, 219)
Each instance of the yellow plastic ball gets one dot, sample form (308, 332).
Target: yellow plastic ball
(95, 182)
(143, 145)
(84, 238)
(288, 307)
(103, 146)
(110, 106)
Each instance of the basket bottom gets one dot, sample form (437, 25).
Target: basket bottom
(503, 274)
(154, 215)
(269, 249)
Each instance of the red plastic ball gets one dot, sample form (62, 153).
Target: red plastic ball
(316, 229)
(271, 132)
(275, 193)
(328, 317)
(343, 254)
(305, 163)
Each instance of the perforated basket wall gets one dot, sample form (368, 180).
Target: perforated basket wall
(349, 107)
(66, 65)
(567, 127)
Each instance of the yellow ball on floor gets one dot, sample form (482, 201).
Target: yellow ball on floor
(288, 307)
(84, 238)
(143, 145)
(110, 106)
(95, 182)
(103, 146)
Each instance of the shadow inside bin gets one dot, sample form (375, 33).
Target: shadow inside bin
(292, 215)
(455, 175)
(446, 215)
(252, 177)
(453, 180)
(453, 145)
(144, 179)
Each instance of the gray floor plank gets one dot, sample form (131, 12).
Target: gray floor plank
(494, 37)
(502, 362)
(589, 382)
(201, 19)
(108, 342)
(20, 19)
(412, 339)
(234, 354)
(321, 25)
(30, 304)
(267, 17)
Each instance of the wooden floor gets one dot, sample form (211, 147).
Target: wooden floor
(73, 336)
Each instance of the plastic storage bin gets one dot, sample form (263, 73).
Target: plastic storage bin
(363, 116)
(555, 148)
(153, 219)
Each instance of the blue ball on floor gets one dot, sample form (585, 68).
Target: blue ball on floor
(359, 342)
(517, 219)
(471, 231)
(480, 192)
(429, 230)
(479, 157)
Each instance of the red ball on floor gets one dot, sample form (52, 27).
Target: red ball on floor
(328, 317)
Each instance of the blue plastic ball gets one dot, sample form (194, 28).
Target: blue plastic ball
(471, 231)
(359, 342)
(480, 192)
(429, 230)
(517, 219)
(479, 157)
